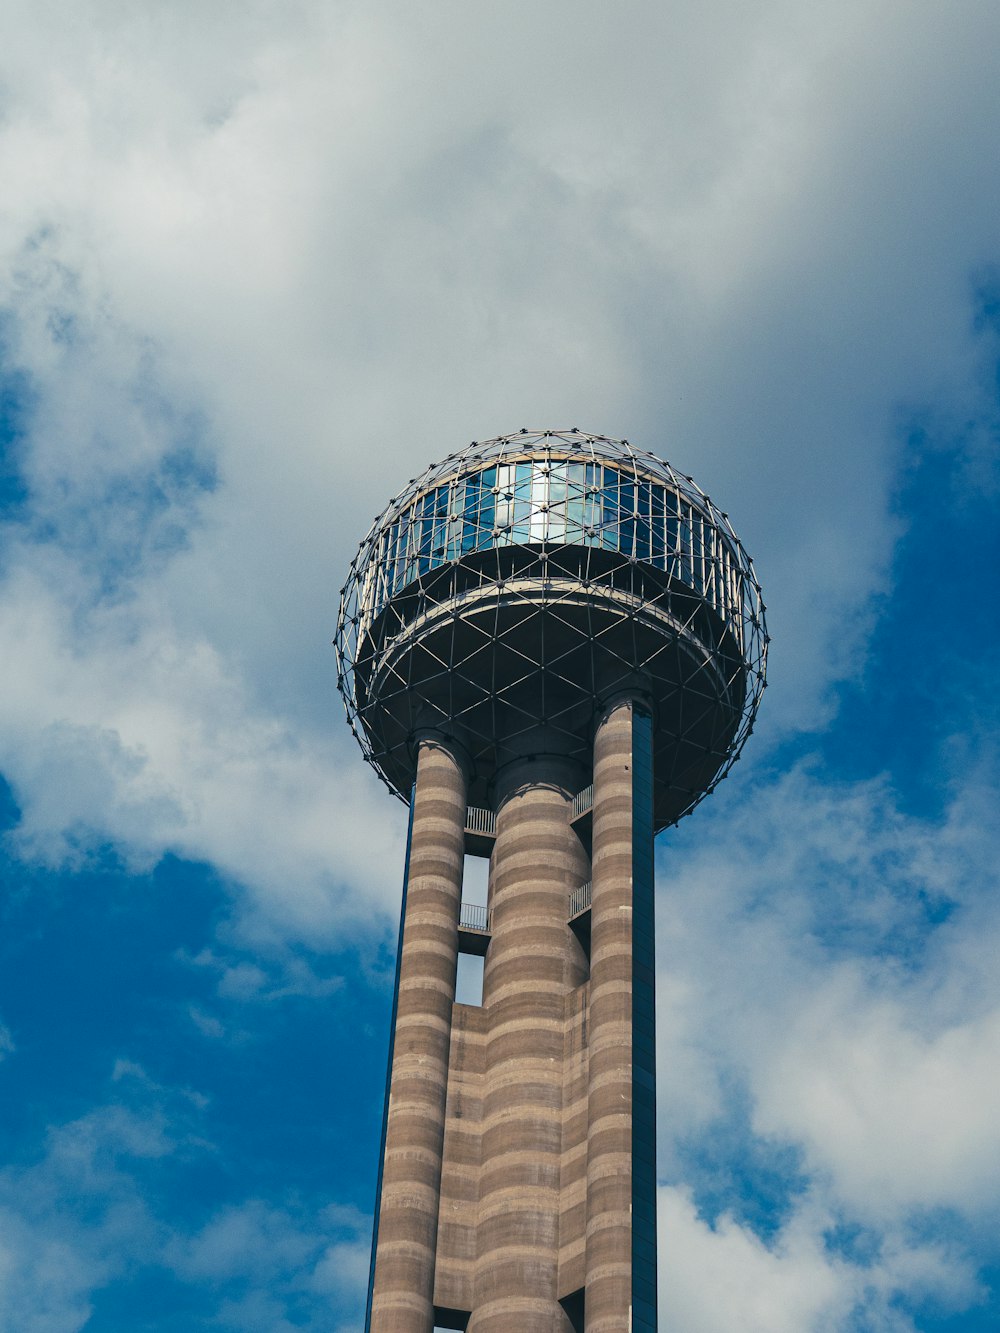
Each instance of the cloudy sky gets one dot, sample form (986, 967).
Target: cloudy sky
(260, 263)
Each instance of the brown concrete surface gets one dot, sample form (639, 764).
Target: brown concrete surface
(534, 961)
(507, 1181)
(454, 1281)
(609, 1144)
(407, 1237)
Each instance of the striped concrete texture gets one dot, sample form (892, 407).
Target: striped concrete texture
(508, 1177)
(403, 1295)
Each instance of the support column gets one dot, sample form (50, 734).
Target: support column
(621, 1171)
(403, 1284)
(534, 960)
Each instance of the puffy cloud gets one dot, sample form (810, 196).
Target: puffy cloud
(828, 1031)
(127, 731)
(719, 1277)
(898, 1119)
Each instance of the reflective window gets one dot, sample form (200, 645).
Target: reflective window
(563, 501)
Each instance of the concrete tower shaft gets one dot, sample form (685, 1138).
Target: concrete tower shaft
(534, 963)
(422, 1030)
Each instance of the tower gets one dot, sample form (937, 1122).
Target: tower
(551, 645)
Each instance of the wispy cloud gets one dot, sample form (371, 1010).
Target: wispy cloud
(85, 1215)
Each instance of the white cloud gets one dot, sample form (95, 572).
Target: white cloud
(717, 1278)
(344, 1268)
(250, 1240)
(121, 728)
(897, 1118)
(45, 1285)
(271, 1261)
(827, 1002)
(301, 243)
(243, 980)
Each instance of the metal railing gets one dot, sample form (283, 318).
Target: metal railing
(583, 802)
(478, 820)
(579, 900)
(474, 917)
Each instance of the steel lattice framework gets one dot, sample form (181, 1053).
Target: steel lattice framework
(509, 589)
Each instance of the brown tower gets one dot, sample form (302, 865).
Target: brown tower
(553, 646)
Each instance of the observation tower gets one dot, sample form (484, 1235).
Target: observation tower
(551, 646)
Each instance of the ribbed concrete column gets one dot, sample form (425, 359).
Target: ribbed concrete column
(533, 961)
(609, 1140)
(402, 1300)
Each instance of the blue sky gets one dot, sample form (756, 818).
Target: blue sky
(259, 265)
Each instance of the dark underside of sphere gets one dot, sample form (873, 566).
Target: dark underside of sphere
(522, 661)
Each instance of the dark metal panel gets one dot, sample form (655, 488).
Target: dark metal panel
(388, 1068)
(644, 1030)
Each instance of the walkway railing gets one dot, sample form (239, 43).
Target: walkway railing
(474, 917)
(483, 822)
(579, 900)
(583, 802)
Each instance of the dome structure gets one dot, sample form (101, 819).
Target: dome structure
(509, 591)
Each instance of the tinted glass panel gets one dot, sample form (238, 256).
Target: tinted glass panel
(558, 501)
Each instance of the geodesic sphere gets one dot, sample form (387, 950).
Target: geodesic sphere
(515, 586)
